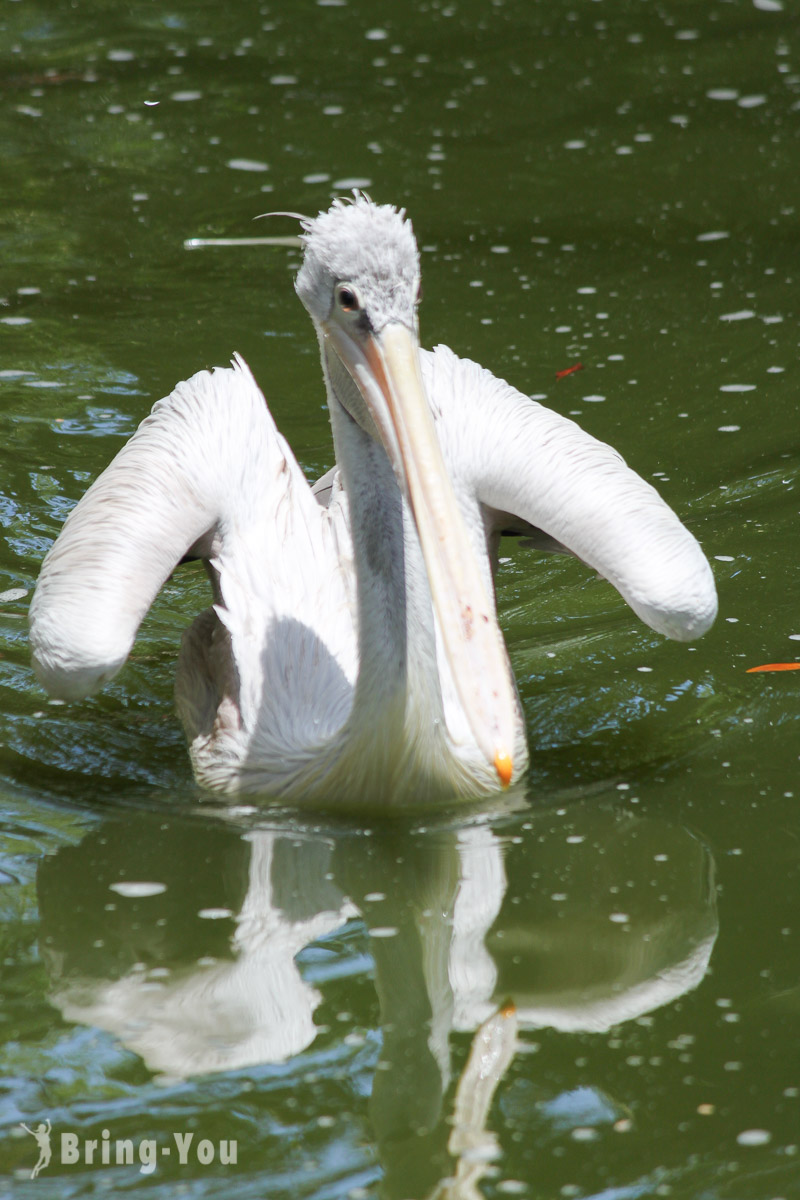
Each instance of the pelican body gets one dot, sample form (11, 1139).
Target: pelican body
(352, 655)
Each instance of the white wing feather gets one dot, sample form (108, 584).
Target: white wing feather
(518, 457)
(202, 474)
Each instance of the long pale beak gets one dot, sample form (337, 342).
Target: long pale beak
(386, 369)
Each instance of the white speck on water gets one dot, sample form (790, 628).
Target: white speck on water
(728, 428)
(214, 914)
(587, 291)
(384, 931)
(500, 249)
(584, 1133)
(743, 314)
(575, 144)
(373, 897)
(775, 370)
(594, 399)
(353, 182)
(754, 1137)
(575, 839)
(619, 918)
(751, 101)
(12, 594)
(376, 35)
(737, 387)
(794, 637)
(137, 890)
(713, 235)
(319, 177)
(644, 669)
(624, 150)
(120, 56)
(722, 93)
(724, 557)
(768, 5)
(185, 97)
(282, 80)
(332, 110)
(246, 164)
(28, 291)
(15, 320)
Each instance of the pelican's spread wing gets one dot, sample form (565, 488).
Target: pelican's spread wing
(524, 461)
(200, 476)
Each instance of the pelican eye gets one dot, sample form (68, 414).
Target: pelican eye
(347, 298)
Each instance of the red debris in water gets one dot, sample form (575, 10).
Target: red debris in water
(569, 371)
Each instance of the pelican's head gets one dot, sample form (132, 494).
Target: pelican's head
(360, 283)
(361, 261)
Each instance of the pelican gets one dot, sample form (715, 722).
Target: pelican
(352, 654)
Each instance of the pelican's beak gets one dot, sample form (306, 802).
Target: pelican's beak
(386, 369)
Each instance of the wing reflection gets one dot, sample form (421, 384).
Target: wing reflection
(200, 977)
(220, 957)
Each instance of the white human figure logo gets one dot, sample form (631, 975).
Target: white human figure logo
(42, 1135)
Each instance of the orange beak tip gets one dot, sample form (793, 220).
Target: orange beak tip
(504, 767)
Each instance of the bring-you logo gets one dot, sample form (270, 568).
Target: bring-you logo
(74, 1148)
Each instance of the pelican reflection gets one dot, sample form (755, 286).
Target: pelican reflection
(242, 953)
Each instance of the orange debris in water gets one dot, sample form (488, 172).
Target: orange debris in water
(775, 667)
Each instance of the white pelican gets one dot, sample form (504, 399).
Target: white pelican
(352, 654)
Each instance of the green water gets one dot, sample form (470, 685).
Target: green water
(609, 183)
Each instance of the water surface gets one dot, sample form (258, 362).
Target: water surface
(610, 184)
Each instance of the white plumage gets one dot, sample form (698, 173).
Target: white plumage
(352, 655)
